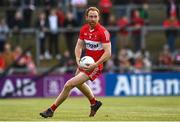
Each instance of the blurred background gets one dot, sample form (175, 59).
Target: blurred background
(144, 36)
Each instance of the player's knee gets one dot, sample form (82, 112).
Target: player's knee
(68, 85)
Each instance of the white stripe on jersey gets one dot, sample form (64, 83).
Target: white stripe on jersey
(107, 35)
(92, 45)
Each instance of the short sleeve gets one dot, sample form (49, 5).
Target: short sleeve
(81, 35)
(105, 36)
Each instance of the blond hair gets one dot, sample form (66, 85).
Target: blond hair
(92, 9)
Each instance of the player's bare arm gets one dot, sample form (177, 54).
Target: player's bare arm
(78, 50)
(106, 55)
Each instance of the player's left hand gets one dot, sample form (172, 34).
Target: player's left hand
(90, 67)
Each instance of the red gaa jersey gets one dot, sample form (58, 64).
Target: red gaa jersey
(93, 40)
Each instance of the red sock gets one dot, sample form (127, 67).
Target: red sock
(53, 107)
(92, 101)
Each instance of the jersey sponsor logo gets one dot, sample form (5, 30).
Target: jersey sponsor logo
(91, 45)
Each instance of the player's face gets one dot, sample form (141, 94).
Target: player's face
(92, 18)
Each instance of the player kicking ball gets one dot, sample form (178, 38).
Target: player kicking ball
(96, 41)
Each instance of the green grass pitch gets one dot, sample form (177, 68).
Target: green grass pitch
(77, 109)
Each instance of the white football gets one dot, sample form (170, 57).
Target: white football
(86, 60)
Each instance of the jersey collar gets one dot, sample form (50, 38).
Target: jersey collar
(91, 30)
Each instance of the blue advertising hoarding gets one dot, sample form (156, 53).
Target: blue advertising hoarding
(155, 84)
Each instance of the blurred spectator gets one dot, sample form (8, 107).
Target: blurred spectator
(116, 63)
(67, 63)
(171, 24)
(112, 23)
(176, 57)
(142, 62)
(10, 14)
(8, 54)
(79, 7)
(61, 17)
(123, 23)
(70, 23)
(25, 63)
(18, 21)
(17, 25)
(53, 25)
(47, 8)
(165, 57)
(125, 57)
(138, 63)
(4, 30)
(147, 60)
(2, 63)
(137, 23)
(21, 59)
(41, 24)
(110, 67)
(31, 67)
(144, 13)
(172, 8)
(105, 7)
(28, 8)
